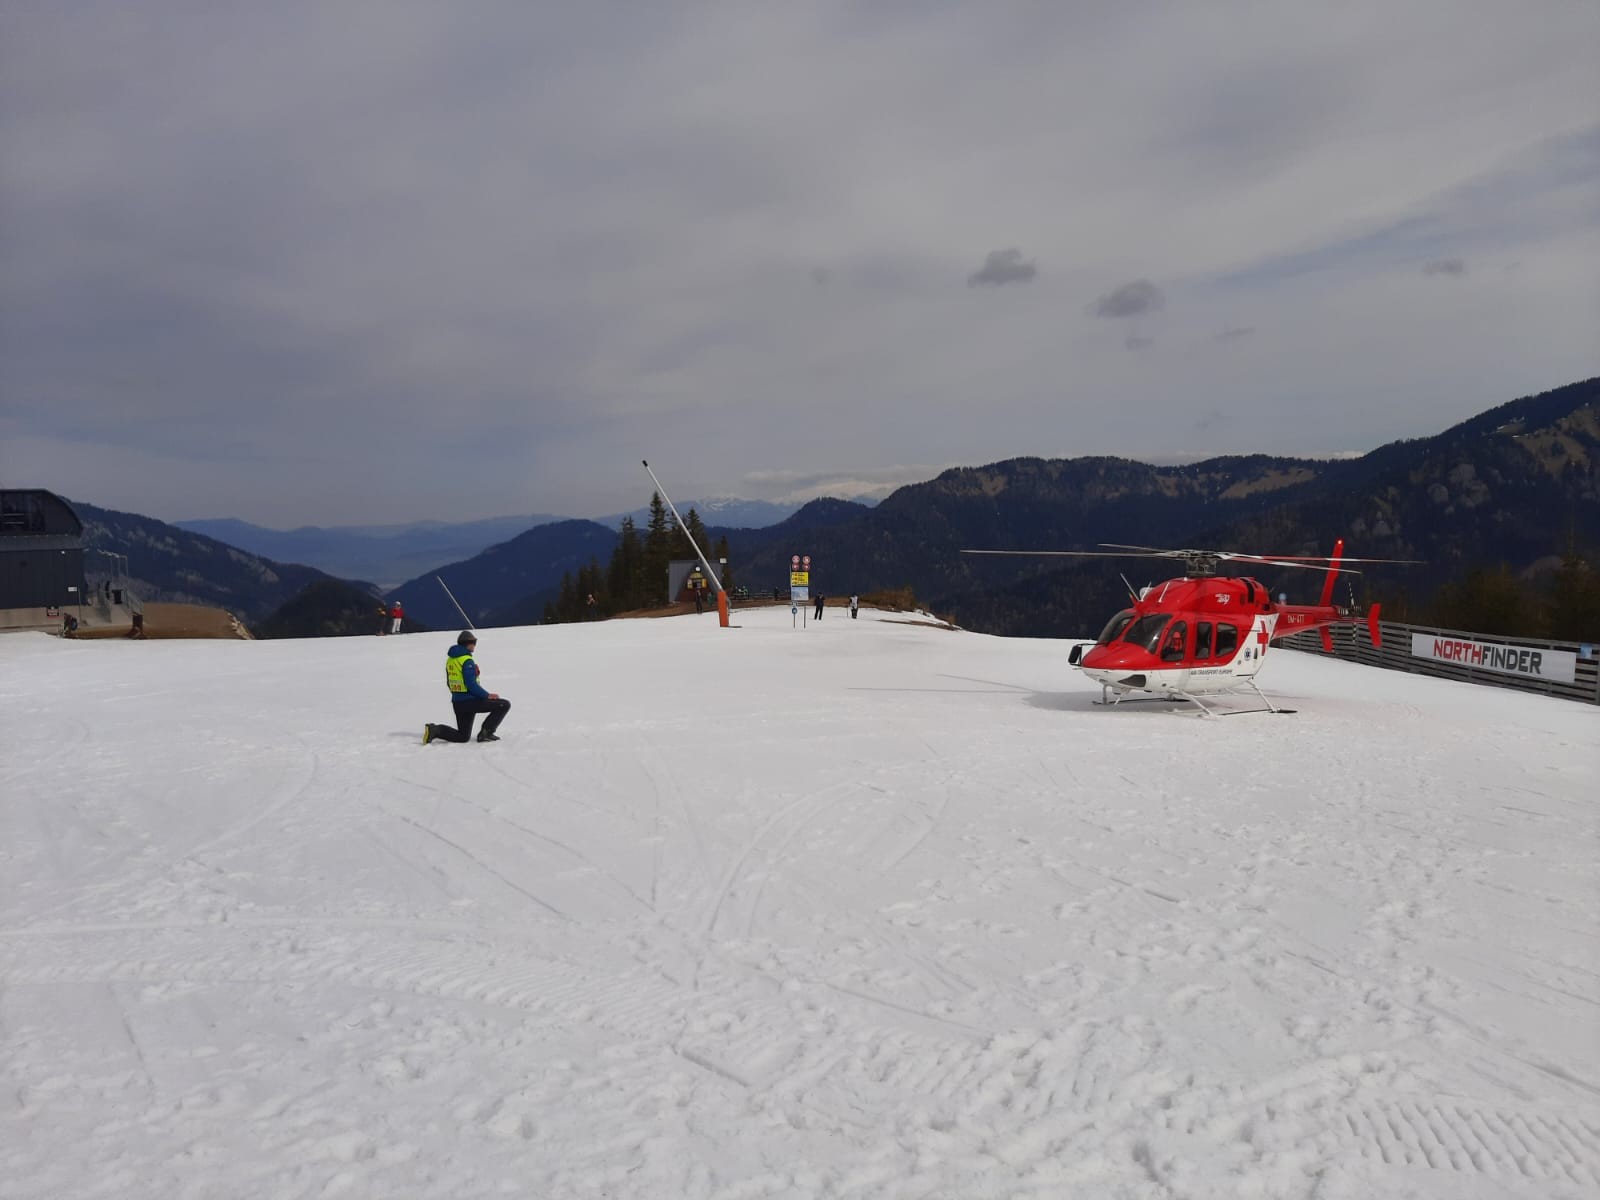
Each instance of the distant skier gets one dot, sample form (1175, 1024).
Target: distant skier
(820, 599)
(467, 696)
(383, 620)
(855, 603)
(396, 614)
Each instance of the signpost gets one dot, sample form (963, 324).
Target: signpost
(799, 585)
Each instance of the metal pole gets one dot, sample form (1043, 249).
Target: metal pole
(459, 609)
(722, 596)
(703, 561)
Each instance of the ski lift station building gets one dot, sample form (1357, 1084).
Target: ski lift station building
(685, 576)
(41, 558)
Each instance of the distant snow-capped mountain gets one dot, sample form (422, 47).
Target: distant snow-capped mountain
(727, 512)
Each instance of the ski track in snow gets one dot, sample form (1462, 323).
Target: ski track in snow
(870, 909)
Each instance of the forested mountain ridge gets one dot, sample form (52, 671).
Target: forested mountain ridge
(384, 553)
(916, 535)
(167, 563)
(528, 566)
(1512, 490)
(1517, 485)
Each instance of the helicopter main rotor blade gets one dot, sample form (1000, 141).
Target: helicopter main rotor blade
(1304, 559)
(1058, 553)
(1301, 566)
(1279, 560)
(1307, 562)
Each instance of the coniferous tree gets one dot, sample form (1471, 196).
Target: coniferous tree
(591, 582)
(625, 577)
(1574, 610)
(657, 553)
(696, 528)
(567, 601)
(679, 542)
(1484, 601)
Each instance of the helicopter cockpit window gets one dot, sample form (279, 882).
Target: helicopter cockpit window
(1202, 639)
(1227, 640)
(1146, 631)
(1114, 627)
(1172, 645)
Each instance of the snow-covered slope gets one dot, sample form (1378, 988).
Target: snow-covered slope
(868, 909)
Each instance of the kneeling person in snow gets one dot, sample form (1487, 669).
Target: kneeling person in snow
(467, 696)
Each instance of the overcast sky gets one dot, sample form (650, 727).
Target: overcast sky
(339, 263)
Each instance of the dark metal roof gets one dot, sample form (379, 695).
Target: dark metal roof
(33, 513)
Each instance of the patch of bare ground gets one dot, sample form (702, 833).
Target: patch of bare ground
(930, 623)
(176, 621)
(1271, 481)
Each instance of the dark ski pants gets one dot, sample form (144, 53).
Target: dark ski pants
(467, 713)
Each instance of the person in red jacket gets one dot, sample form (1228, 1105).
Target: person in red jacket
(396, 614)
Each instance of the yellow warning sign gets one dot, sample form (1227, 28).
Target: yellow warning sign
(799, 578)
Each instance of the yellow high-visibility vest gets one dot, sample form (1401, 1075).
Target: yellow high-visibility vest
(454, 678)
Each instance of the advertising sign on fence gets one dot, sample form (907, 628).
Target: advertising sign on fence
(1529, 662)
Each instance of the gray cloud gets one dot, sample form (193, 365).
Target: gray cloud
(1136, 342)
(1130, 300)
(1444, 266)
(437, 263)
(1234, 332)
(1003, 266)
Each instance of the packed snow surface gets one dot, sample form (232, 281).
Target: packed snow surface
(862, 909)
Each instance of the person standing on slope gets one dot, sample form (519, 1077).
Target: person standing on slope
(397, 613)
(467, 696)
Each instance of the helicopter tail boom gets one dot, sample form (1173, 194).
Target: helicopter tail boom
(1300, 618)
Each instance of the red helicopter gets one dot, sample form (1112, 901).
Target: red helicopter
(1204, 634)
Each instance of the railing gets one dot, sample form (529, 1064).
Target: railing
(1351, 642)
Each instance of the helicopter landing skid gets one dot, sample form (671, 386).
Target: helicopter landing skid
(1123, 698)
(1175, 696)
